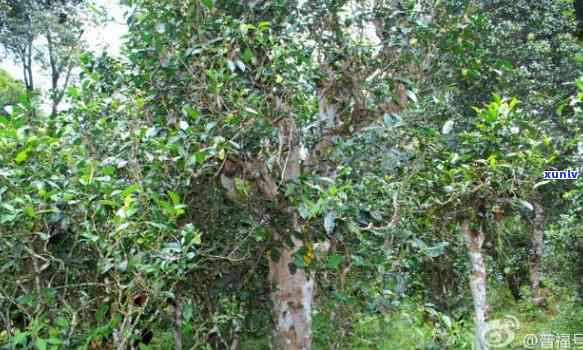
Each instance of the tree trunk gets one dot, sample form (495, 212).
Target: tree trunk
(177, 316)
(292, 301)
(27, 66)
(293, 287)
(537, 252)
(55, 75)
(513, 281)
(474, 240)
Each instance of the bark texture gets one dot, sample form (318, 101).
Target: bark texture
(474, 240)
(177, 316)
(293, 287)
(537, 252)
(292, 302)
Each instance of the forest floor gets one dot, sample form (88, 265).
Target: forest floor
(411, 327)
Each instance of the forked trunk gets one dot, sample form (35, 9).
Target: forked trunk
(292, 301)
(474, 240)
(537, 252)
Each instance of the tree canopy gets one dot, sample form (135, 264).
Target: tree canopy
(11, 91)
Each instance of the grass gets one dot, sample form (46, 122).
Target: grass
(414, 326)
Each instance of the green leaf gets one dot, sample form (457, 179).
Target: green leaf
(40, 344)
(107, 202)
(354, 229)
(208, 3)
(30, 212)
(54, 341)
(436, 250)
(299, 261)
(27, 299)
(167, 208)
(187, 312)
(72, 91)
(247, 55)
(303, 211)
(174, 197)
(190, 112)
(197, 240)
(108, 170)
(21, 156)
(492, 162)
(200, 157)
(101, 313)
(20, 337)
(333, 261)
(130, 189)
